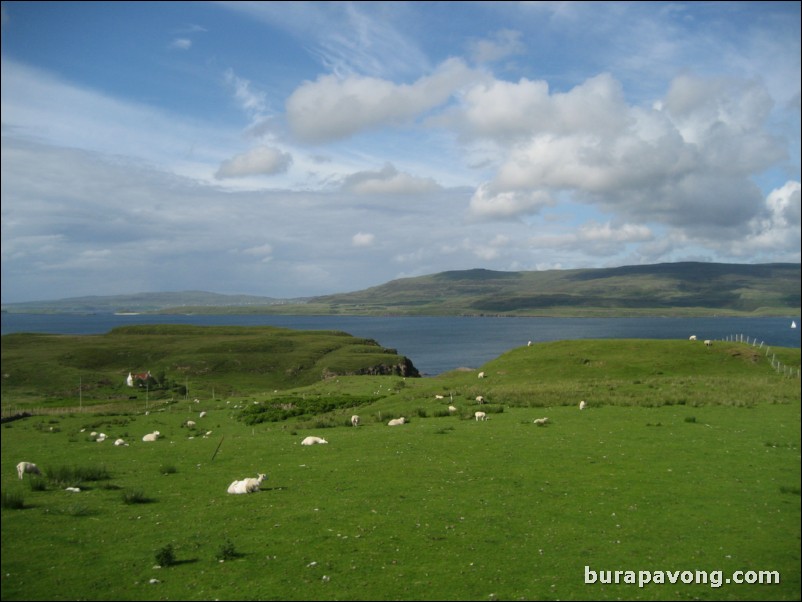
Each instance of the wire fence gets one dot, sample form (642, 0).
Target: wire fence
(779, 367)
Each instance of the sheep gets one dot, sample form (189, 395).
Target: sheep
(481, 375)
(101, 437)
(311, 440)
(582, 405)
(72, 489)
(28, 467)
(397, 421)
(480, 399)
(452, 409)
(692, 337)
(120, 442)
(708, 343)
(151, 436)
(354, 420)
(439, 397)
(541, 421)
(480, 416)
(190, 424)
(202, 414)
(249, 485)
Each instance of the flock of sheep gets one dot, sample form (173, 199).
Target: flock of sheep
(251, 484)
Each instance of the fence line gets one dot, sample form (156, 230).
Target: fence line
(779, 367)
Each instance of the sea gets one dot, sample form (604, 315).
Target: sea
(440, 344)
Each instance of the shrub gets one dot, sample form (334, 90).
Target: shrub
(168, 469)
(134, 496)
(165, 556)
(227, 551)
(13, 500)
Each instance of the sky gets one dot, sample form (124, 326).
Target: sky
(294, 149)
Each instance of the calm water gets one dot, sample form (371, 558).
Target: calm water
(439, 344)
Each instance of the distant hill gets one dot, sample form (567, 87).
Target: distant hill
(143, 303)
(678, 288)
(687, 288)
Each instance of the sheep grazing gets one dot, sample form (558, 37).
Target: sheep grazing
(151, 436)
(354, 420)
(480, 399)
(708, 343)
(249, 485)
(28, 467)
(582, 405)
(202, 414)
(190, 424)
(397, 421)
(311, 440)
(541, 421)
(481, 375)
(480, 416)
(692, 337)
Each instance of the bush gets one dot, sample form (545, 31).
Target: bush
(166, 556)
(227, 551)
(13, 500)
(134, 496)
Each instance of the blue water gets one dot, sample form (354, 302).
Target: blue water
(439, 344)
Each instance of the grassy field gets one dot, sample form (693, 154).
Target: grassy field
(686, 459)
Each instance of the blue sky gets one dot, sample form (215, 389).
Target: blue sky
(304, 148)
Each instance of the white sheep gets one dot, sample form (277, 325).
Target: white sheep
(151, 436)
(397, 421)
(354, 420)
(311, 440)
(249, 485)
(28, 467)
(202, 414)
(73, 489)
(101, 437)
(190, 424)
(481, 375)
(439, 397)
(480, 416)
(480, 399)
(582, 405)
(708, 343)
(452, 409)
(120, 442)
(692, 337)
(541, 421)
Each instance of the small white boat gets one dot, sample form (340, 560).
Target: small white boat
(793, 324)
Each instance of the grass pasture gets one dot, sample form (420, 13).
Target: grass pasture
(677, 465)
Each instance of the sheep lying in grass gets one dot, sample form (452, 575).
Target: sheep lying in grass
(120, 442)
(354, 420)
(541, 421)
(480, 416)
(397, 421)
(312, 440)
(249, 485)
(151, 436)
(28, 467)
(452, 409)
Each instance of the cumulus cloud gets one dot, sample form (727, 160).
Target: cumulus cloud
(388, 180)
(505, 205)
(262, 160)
(685, 162)
(331, 107)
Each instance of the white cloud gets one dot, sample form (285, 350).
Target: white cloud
(363, 239)
(489, 204)
(181, 44)
(331, 108)
(388, 181)
(502, 44)
(262, 160)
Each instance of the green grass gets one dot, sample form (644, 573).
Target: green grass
(690, 463)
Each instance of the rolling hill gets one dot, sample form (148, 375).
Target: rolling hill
(687, 288)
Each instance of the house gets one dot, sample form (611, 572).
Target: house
(138, 380)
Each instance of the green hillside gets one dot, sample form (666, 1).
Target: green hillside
(183, 361)
(673, 288)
